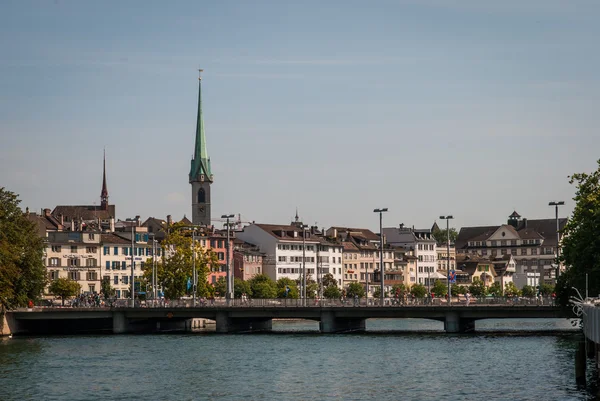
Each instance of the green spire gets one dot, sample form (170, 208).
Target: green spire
(200, 164)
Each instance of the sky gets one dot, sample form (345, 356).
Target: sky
(427, 107)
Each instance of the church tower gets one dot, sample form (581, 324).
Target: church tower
(200, 173)
(104, 192)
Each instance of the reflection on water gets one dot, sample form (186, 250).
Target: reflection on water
(298, 365)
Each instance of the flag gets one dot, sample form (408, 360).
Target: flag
(189, 283)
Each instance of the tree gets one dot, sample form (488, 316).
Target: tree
(241, 287)
(64, 288)
(495, 289)
(511, 290)
(332, 292)
(528, 291)
(176, 265)
(329, 281)
(105, 289)
(262, 287)
(547, 290)
(478, 289)
(398, 289)
(220, 287)
(22, 270)
(441, 236)
(355, 289)
(418, 290)
(312, 287)
(458, 289)
(377, 293)
(440, 289)
(581, 239)
(284, 282)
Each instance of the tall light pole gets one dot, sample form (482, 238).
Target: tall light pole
(556, 205)
(194, 278)
(303, 226)
(448, 218)
(229, 275)
(133, 224)
(152, 235)
(381, 269)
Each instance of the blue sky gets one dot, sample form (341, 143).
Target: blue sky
(427, 107)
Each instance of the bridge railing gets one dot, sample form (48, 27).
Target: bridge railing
(317, 303)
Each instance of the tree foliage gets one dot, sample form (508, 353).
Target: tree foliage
(458, 289)
(441, 236)
(105, 288)
(284, 282)
(241, 287)
(399, 290)
(495, 289)
(332, 292)
(176, 265)
(262, 287)
(528, 291)
(64, 288)
(478, 289)
(355, 289)
(418, 290)
(547, 290)
(511, 290)
(440, 289)
(22, 270)
(581, 239)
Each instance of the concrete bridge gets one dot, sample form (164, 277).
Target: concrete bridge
(234, 319)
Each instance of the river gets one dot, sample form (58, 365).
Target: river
(390, 362)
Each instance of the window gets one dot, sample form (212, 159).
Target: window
(513, 242)
(125, 279)
(73, 248)
(201, 196)
(484, 252)
(503, 251)
(523, 251)
(116, 280)
(91, 249)
(494, 243)
(513, 251)
(53, 274)
(106, 250)
(73, 276)
(91, 276)
(503, 242)
(116, 250)
(55, 248)
(221, 255)
(281, 259)
(107, 265)
(92, 287)
(55, 262)
(534, 251)
(90, 262)
(123, 265)
(91, 236)
(73, 262)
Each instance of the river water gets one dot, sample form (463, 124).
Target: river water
(389, 362)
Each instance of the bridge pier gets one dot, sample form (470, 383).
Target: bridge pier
(228, 324)
(329, 323)
(120, 323)
(453, 323)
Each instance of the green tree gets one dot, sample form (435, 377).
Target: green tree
(220, 287)
(241, 287)
(22, 270)
(547, 289)
(581, 239)
(458, 289)
(495, 289)
(332, 292)
(329, 281)
(441, 236)
(284, 282)
(528, 291)
(105, 288)
(355, 289)
(263, 287)
(418, 290)
(377, 293)
(176, 264)
(312, 287)
(478, 289)
(64, 288)
(398, 289)
(511, 290)
(440, 289)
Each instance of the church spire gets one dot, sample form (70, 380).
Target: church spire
(200, 164)
(104, 193)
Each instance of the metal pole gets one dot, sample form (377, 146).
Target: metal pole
(132, 264)
(448, 260)
(153, 270)
(586, 286)
(194, 266)
(304, 265)
(229, 275)
(557, 245)
(381, 269)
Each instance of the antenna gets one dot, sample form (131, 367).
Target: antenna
(200, 74)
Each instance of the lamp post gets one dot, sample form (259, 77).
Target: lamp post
(303, 281)
(381, 269)
(152, 235)
(133, 224)
(194, 278)
(229, 295)
(556, 205)
(448, 218)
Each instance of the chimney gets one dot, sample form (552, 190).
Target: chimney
(27, 211)
(72, 224)
(401, 226)
(62, 219)
(47, 212)
(524, 223)
(80, 224)
(138, 221)
(169, 220)
(111, 227)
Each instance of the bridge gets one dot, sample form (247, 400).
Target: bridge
(258, 317)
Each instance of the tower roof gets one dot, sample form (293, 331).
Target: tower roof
(104, 192)
(200, 164)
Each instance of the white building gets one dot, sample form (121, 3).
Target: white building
(422, 243)
(283, 249)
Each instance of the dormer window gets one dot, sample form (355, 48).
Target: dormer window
(295, 234)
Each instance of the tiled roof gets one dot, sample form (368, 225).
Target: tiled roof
(349, 247)
(275, 230)
(85, 212)
(114, 239)
(362, 232)
(44, 223)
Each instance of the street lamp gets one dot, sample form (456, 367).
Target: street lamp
(229, 295)
(194, 276)
(152, 235)
(381, 269)
(303, 281)
(448, 218)
(556, 205)
(133, 224)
